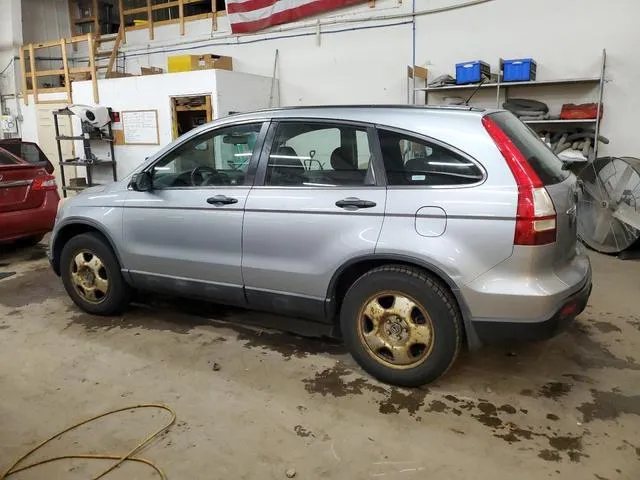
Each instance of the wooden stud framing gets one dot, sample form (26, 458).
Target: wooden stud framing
(181, 15)
(23, 73)
(114, 52)
(122, 26)
(207, 99)
(34, 79)
(65, 71)
(65, 63)
(52, 90)
(92, 65)
(214, 16)
(150, 19)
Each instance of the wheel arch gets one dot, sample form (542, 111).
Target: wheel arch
(71, 229)
(350, 271)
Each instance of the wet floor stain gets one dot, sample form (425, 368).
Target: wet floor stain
(606, 327)
(33, 287)
(609, 406)
(549, 455)
(590, 354)
(182, 316)
(555, 390)
(409, 400)
(303, 432)
(635, 324)
(578, 377)
(335, 382)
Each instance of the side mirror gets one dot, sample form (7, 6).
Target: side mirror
(141, 182)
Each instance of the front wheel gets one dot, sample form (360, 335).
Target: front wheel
(401, 325)
(92, 277)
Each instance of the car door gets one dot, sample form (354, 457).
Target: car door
(316, 204)
(185, 235)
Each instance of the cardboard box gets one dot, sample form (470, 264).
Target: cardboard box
(151, 70)
(188, 63)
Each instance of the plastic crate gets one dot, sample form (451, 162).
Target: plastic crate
(519, 70)
(472, 72)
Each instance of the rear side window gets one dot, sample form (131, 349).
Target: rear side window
(543, 161)
(29, 152)
(413, 161)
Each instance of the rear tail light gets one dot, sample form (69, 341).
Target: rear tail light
(45, 182)
(536, 215)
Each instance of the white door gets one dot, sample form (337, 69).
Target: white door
(47, 139)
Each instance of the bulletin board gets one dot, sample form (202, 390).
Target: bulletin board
(140, 127)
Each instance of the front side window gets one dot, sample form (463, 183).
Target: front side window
(220, 157)
(319, 154)
(413, 161)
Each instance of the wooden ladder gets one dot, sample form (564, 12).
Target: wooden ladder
(106, 57)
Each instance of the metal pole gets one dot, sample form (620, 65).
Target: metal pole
(600, 98)
(413, 53)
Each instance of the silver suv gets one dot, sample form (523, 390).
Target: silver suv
(408, 231)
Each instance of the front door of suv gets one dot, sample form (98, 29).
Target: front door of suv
(185, 235)
(317, 203)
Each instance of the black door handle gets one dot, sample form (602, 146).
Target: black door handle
(352, 203)
(221, 200)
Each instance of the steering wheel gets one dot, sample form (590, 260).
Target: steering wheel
(198, 172)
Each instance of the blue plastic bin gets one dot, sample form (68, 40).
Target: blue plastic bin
(472, 72)
(519, 70)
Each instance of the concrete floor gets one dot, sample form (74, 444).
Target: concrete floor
(253, 402)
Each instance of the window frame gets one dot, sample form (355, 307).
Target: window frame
(376, 165)
(209, 133)
(436, 142)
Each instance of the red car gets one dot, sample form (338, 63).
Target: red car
(28, 193)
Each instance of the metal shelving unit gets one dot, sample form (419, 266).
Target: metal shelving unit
(502, 95)
(89, 161)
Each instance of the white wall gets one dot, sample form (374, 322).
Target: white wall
(153, 92)
(351, 64)
(10, 41)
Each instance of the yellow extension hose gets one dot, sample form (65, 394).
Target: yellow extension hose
(120, 458)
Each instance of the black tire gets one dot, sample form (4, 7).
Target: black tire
(118, 294)
(428, 293)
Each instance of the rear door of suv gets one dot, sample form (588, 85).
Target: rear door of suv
(318, 201)
(442, 209)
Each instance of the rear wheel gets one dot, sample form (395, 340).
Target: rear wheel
(91, 275)
(401, 325)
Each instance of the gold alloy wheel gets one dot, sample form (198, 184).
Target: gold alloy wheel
(396, 330)
(89, 276)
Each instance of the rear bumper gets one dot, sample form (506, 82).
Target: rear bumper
(501, 331)
(34, 221)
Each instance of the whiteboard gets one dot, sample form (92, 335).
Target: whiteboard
(140, 127)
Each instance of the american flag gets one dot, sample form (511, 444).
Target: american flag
(252, 15)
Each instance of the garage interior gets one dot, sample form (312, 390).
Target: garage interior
(231, 393)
